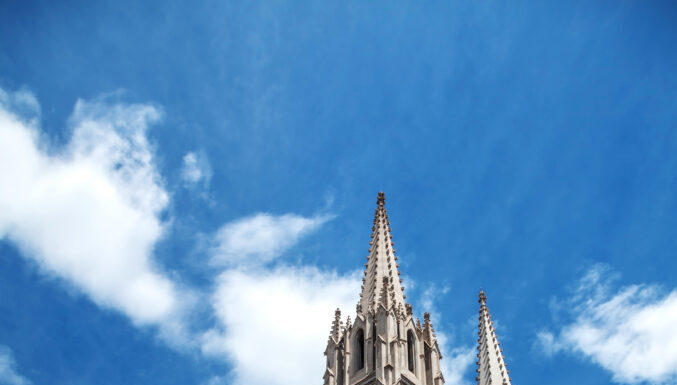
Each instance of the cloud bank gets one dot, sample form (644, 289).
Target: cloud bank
(630, 332)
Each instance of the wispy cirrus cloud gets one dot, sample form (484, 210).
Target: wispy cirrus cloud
(196, 169)
(8, 371)
(628, 331)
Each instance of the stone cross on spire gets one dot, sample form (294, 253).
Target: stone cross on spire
(491, 366)
(381, 274)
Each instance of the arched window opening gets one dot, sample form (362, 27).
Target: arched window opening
(359, 350)
(410, 350)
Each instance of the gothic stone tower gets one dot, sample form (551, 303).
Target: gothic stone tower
(385, 345)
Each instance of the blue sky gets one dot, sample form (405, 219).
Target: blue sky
(187, 189)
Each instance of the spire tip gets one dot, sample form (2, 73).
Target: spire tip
(381, 198)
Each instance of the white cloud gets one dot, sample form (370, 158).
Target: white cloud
(428, 298)
(630, 332)
(270, 319)
(89, 212)
(8, 372)
(261, 238)
(275, 323)
(456, 364)
(196, 169)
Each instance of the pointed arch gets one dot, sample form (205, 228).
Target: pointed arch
(411, 351)
(359, 349)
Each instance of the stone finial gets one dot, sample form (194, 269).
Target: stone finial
(336, 325)
(409, 309)
(381, 198)
(483, 297)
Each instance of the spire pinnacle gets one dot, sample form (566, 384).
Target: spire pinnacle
(336, 325)
(428, 329)
(381, 275)
(491, 366)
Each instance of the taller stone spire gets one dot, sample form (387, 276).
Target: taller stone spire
(381, 274)
(491, 366)
(385, 345)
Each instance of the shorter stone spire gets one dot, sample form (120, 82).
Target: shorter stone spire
(491, 366)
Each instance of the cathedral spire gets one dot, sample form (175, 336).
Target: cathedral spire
(381, 274)
(491, 366)
(383, 345)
